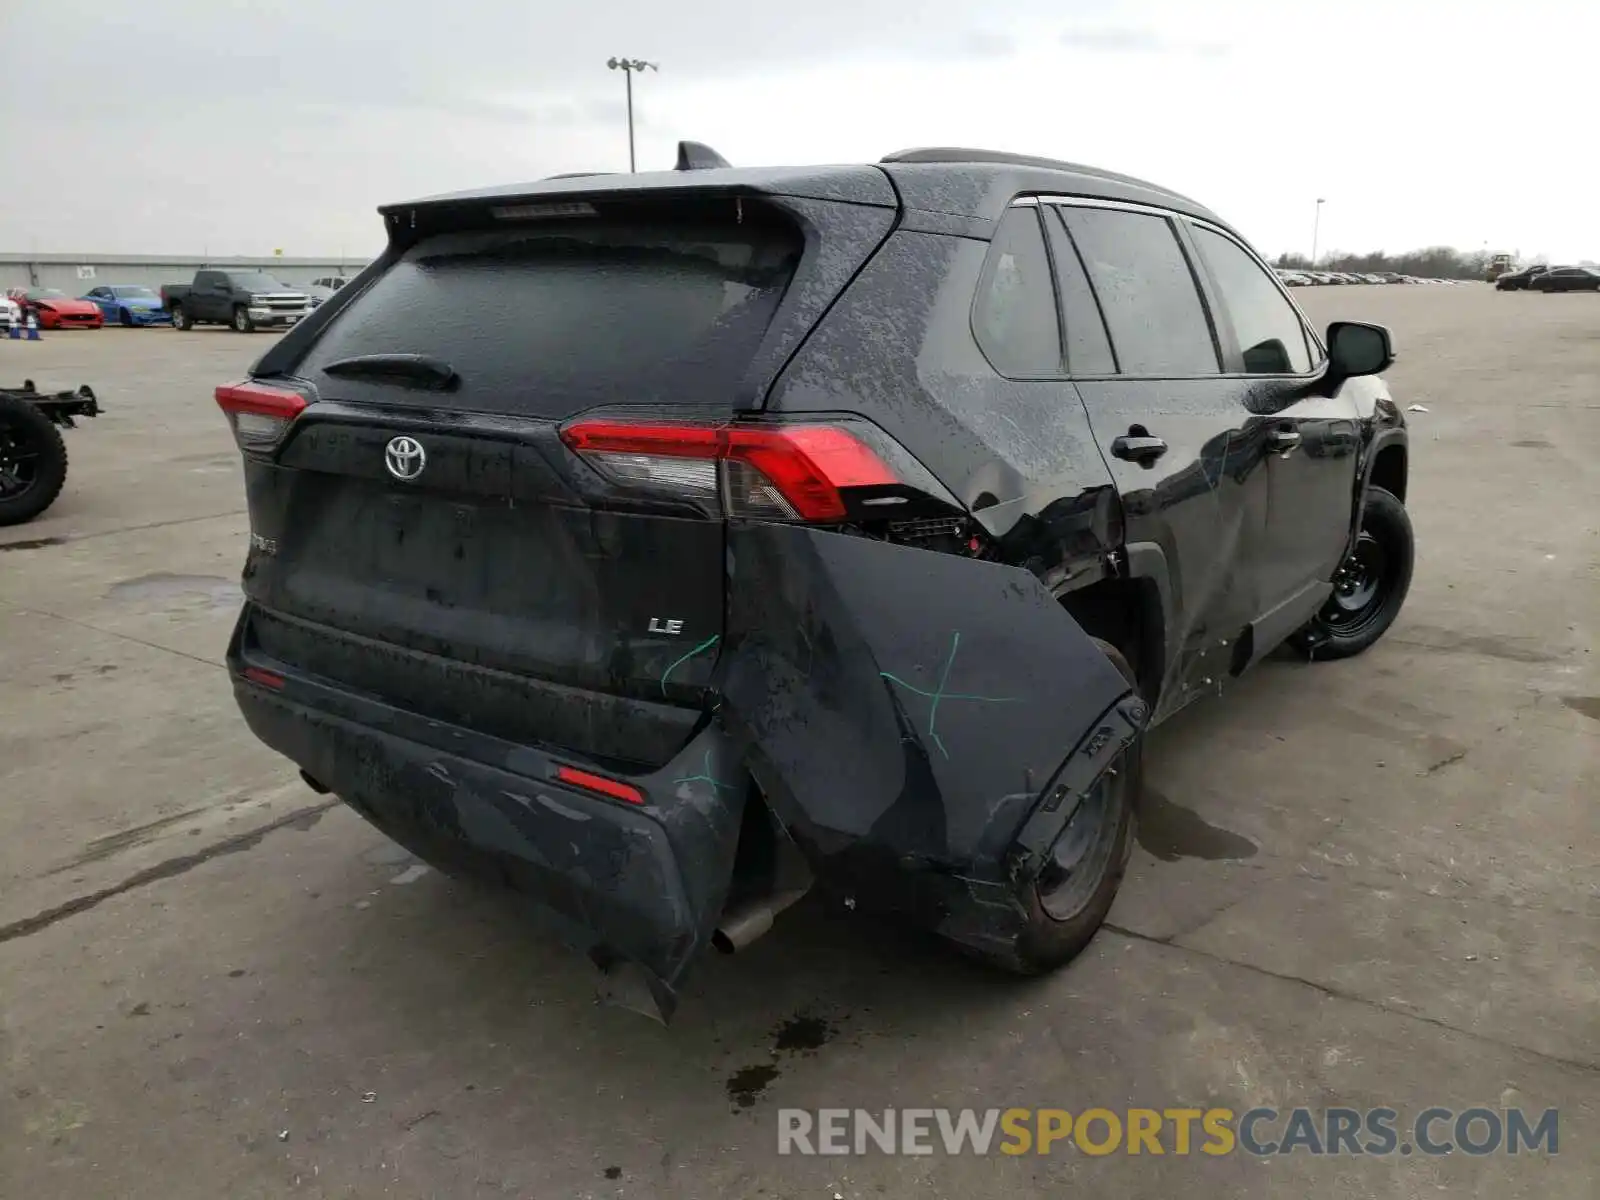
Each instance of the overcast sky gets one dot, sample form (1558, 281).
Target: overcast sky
(170, 126)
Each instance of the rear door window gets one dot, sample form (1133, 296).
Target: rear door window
(1088, 347)
(1015, 318)
(1268, 328)
(547, 320)
(1151, 302)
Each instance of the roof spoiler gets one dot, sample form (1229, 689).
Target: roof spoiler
(697, 156)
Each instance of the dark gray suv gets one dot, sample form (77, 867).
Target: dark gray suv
(665, 546)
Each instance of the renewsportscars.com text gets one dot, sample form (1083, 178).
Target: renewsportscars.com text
(1178, 1131)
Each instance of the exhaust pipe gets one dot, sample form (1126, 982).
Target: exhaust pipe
(742, 925)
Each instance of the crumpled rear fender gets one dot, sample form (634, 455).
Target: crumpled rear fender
(909, 712)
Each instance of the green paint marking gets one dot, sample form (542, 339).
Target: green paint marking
(940, 694)
(944, 678)
(705, 645)
(707, 777)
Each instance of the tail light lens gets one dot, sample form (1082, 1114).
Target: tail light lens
(260, 413)
(795, 472)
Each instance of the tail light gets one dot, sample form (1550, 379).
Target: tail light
(821, 472)
(259, 413)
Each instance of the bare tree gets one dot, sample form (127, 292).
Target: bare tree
(1434, 262)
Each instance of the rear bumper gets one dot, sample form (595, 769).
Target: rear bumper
(924, 756)
(625, 883)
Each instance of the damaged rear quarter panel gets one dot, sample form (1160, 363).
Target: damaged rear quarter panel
(901, 707)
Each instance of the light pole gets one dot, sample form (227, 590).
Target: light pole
(1316, 228)
(628, 66)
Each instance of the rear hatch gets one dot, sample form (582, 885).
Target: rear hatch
(422, 532)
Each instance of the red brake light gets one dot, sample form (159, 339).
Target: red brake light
(600, 784)
(789, 471)
(259, 413)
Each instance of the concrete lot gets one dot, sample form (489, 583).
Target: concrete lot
(1366, 883)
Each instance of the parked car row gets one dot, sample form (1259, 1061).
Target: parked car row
(1542, 278)
(1297, 278)
(246, 300)
(52, 308)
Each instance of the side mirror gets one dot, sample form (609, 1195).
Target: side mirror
(1356, 348)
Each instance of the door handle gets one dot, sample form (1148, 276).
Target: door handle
(1142, 450)
(1283, 441)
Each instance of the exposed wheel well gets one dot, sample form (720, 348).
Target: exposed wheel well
(1389, 471)
(756, 855)
(1126, 613)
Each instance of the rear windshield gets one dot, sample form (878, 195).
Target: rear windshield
(550, 319)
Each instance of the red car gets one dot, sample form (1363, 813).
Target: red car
(57, 310)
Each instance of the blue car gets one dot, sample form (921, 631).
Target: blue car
(129, 304)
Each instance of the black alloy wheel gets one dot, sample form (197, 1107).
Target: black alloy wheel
(1369, 586)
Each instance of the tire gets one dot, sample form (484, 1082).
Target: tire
(1063, 912)
(124, 318)
(1370, 586)
(180, 317)
(241, 320)
(33, 461)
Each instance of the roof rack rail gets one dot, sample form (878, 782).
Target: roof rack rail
(579, 174)
(697, 156)
(957, 154)
(960, 154)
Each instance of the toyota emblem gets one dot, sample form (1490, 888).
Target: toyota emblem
(405, 458)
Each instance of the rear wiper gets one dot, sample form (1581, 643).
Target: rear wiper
(412, 370)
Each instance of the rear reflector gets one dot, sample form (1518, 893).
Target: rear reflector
(600, 784)
(791, 472)
(259, 413)
(267, 679)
